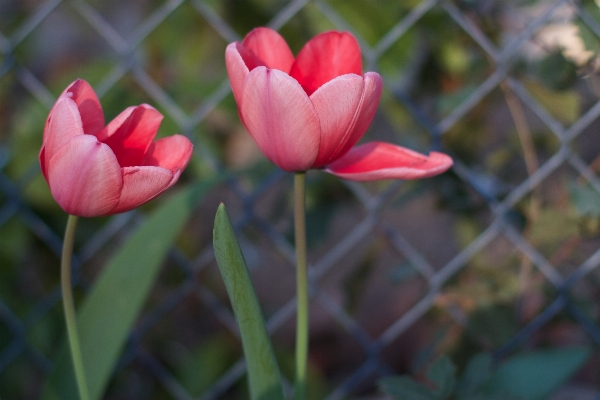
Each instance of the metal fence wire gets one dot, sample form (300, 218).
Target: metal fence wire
(499, 254)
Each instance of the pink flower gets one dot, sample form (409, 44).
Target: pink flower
(96, 170)
(309, 111)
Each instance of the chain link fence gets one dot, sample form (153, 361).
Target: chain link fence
(500, 254)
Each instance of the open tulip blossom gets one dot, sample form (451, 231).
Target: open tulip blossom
(310, 111)
(96, 170)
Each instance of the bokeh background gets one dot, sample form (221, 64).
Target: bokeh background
(500, 254)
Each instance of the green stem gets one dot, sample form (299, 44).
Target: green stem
(69, 306)
(302, 286)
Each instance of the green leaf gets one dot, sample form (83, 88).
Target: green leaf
(585, 199)
(476, 374)
(563, 105)
(443, 374)
(109, 311)
(536, 375)
(405, 388)
(263, 373)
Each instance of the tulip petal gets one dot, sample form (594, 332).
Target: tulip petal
(236, 69)
(373, 86)
(84, 177)
(172, 153)
(269, 50)
(64, 123)
(281, 119)
(89, 106)
(141, 184)
(336, 103)
(114, 125)
(324, 57)
(130, 134)
(377, 161)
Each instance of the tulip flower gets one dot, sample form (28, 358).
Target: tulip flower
(310, 111)
(96, 170)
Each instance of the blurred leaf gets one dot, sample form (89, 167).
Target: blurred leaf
(493, 324)
(111, 308)
(443, 374)
(476, 374)
(263, 372)
(552, 227)
(564, 106)
(405, 388)
(447, 102)
(318, 385)
(589, 38)
(536, 375)
(203, 366)
(585, 199)
(556, 72)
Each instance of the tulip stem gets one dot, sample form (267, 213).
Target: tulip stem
(302, 286)
(69, 307)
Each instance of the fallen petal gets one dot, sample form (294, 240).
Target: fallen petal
(84, 177)
(378, 161)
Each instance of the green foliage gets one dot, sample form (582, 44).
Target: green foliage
(201, 367)
(584, 199)
(263, 371)
(564, 105)
(538, 374)
(527, 376)
(555, 71)
(109, 311)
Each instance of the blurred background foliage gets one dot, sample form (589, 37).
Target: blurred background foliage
(443, 90)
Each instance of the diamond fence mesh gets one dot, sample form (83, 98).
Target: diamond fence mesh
(499, 254)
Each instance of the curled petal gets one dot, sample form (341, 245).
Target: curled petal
(64, 123)
(346, 106)
(84, 177)
(324, 57)
(131, 133)
(269, 49)
(336, 103)
(377, 161)
(141, 184)
(281, 119)
(172, 153)
(236, 69)
(114, 125)
(89, 106)
(373, 86)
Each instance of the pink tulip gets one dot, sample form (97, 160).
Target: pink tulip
(96, 170)
(309, 111)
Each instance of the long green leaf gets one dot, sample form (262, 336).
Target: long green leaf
(111, 308)
(535, 375)
(263, 372)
